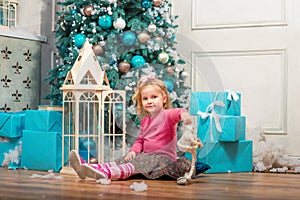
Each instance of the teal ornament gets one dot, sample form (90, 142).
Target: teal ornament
(61, 74)
(137, 61)
(169, 84)
(128, 38)
(79, 40)
(105, 21)
(146, 4)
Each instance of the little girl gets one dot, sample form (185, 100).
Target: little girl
(154, 152)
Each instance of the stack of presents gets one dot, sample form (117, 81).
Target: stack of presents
(31, 140)
(222, 131)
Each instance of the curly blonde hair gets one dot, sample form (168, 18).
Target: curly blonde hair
(137, 98)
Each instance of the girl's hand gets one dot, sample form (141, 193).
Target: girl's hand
(186, 118)
(131, 155)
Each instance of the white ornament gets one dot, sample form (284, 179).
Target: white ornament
(119, 23)
(102, 43)
(184, 74)
(152, 28)
(163, 57)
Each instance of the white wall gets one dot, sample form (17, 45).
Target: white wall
(35, 22)
(29, 17)
(252, 47)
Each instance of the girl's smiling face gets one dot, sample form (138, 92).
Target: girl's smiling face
(153, 99)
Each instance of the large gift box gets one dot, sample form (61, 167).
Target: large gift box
(226, 157)
(43, 120)
(203, 101)
(42, 150)
(12, 124)
(7, 145)
(232, 128)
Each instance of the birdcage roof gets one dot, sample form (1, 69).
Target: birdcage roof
(86, 72)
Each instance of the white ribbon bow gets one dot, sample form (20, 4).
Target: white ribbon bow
(211, 113)
(232, 95)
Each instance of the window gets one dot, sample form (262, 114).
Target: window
(8, 13)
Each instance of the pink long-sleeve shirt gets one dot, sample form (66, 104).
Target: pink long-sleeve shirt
(158, 134)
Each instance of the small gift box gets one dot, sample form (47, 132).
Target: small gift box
(206, 101)
(226, 157)
(12, 124)
(42, 150)
(222, 128)
(43, 120)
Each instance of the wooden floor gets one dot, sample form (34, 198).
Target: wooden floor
(19, 185)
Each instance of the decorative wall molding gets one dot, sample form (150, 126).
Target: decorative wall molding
(21, 34)
(238, 14)
(281, 54)
(53, 59)
(53, 10)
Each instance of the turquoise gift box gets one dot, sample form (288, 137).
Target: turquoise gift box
(41, 150)
(12, 124)
(226, 157)
(43, 120)
(200, 101)
(233, 128)
(11, 144)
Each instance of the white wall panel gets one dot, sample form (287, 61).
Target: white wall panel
(260, 76)
(207, 14)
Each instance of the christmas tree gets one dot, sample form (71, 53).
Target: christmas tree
(130, 38)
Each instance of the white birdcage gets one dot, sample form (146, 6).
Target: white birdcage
(93, 113)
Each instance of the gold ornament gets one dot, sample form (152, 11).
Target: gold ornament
(124, 67)
(143, 37)
(157, 2)
(163, 57)
(97, 49)
(88, 10)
